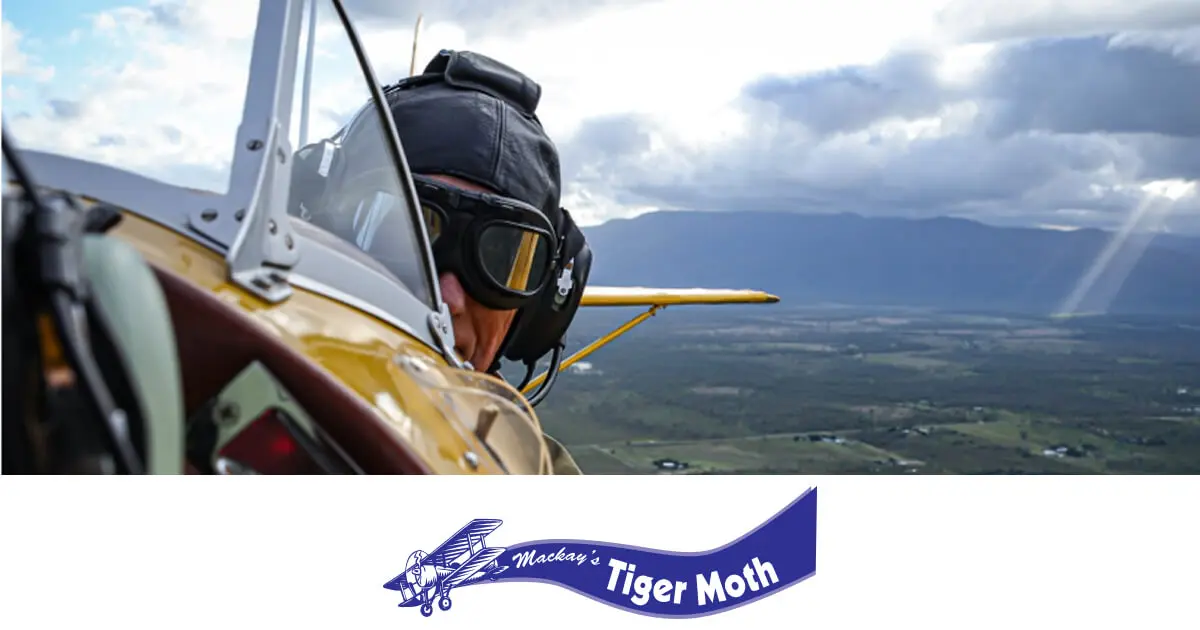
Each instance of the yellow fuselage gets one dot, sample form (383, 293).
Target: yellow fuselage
(359, 350)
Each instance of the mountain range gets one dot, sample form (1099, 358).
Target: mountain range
(941, 263)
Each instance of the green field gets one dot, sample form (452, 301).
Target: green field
(777, 390)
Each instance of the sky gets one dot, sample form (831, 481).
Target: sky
(1053, 113)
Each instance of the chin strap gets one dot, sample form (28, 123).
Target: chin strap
(495, 371)
(552, 375)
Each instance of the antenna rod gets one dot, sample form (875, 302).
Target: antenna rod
(308, 70)
(412, 65)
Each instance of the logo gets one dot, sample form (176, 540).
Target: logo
(777, 554)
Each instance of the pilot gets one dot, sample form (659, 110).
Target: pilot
(488, 179)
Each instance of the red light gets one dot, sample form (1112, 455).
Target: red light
(268, 448)
(283, 445)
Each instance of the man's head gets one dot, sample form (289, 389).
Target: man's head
(478, 329)
(489, 181)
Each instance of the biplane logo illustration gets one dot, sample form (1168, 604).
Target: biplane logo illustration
(779, 553)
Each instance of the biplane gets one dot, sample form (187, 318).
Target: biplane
(172, 330)
(462, 560)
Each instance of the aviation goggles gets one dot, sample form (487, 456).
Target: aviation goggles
(502, 250)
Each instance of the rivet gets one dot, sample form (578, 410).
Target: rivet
(227, 413)
(472, 459)
(254, 145)
(208, 215)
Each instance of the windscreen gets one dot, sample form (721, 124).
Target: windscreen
(346, 178)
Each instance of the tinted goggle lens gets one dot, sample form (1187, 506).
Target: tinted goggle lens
(513, 257)
(434, 222)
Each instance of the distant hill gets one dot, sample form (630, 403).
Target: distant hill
(939, 263)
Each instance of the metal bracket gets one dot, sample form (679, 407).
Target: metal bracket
(266, 249)
(443, 333)
(254, 226)
(261, 252)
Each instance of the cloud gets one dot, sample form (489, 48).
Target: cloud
(179, 66)
(480, 19)
(1183, 43)
(1085, 85)
(16, 62)
(165, 96)
(991, 20)
(851, 98)
(1065, 131)
(1035, 113)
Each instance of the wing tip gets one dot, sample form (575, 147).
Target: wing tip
(394, 584)
(603, 295)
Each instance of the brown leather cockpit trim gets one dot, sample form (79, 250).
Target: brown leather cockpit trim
(216, 342)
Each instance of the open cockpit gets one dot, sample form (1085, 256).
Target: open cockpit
(282, 344)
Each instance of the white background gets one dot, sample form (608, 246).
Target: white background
(900, 552)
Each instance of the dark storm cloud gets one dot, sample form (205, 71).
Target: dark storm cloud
(1166, 158)
(934, 176)
(1183, 43)
(848, 99)
(604, 144)
(1083, 86)
(991, 20)
(481, 18)
(1062, 86)
(1064, 131)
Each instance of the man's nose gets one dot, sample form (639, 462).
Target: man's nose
(453, 294)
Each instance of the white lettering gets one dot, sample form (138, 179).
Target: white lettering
(735, 586)
(709, 590)
(523, 559)
(531, 557)
(756, 575)
(763, 569)
(748, 574)
(641, 589)
(662, 591)
(617, 568)
(680, 587)
(629, 579)
(714, 587)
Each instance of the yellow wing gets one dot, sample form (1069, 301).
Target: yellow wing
(643, 296)
(656, 299)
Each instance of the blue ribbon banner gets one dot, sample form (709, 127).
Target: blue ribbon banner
(777, 554)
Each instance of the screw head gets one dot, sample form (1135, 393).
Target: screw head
(227, 413)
